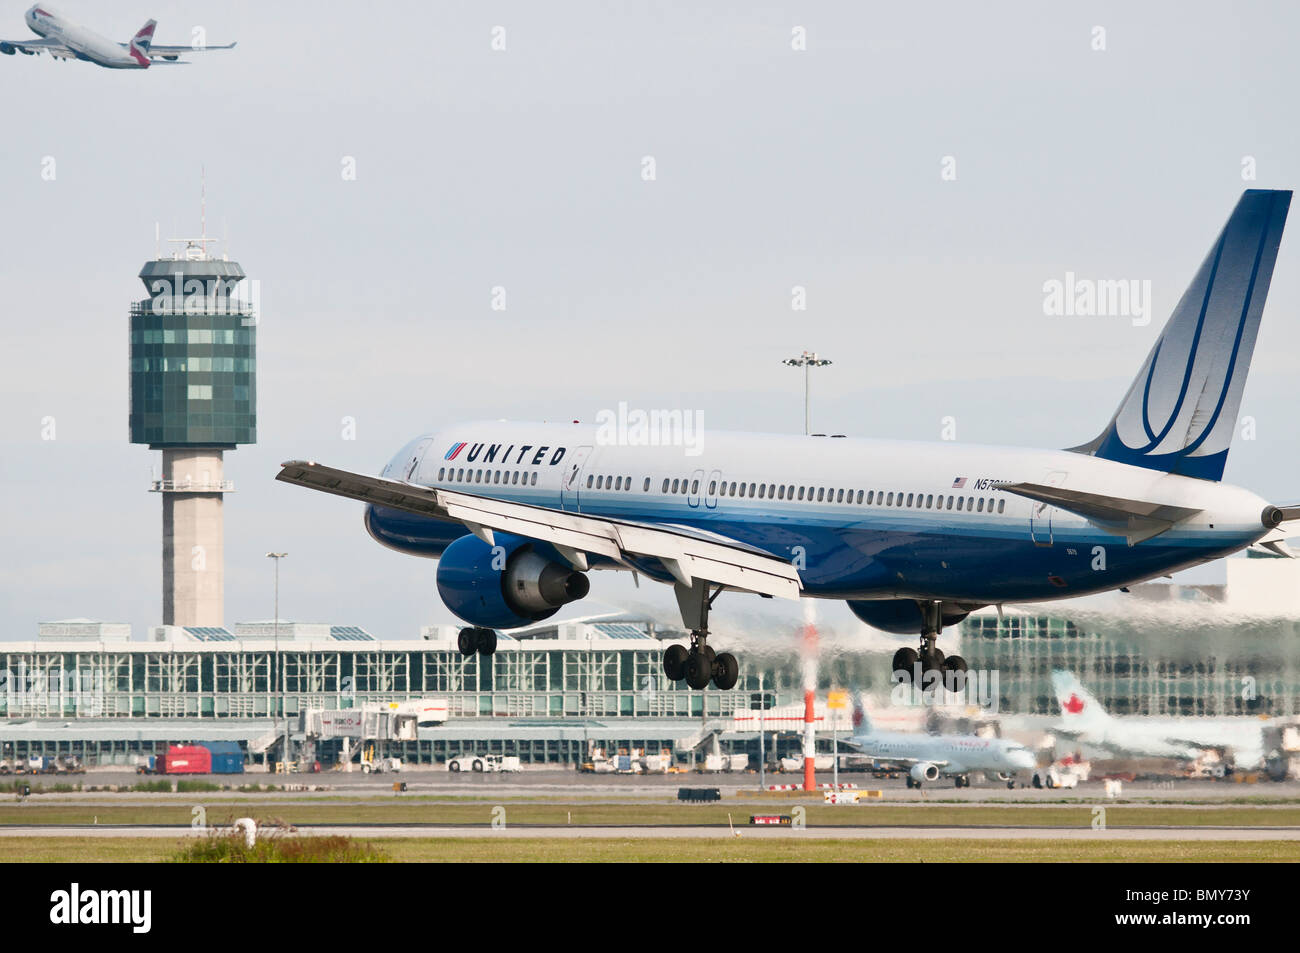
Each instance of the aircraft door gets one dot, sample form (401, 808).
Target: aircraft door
(413, 462)
(1040, 514)
(711, 490)
(571, 483)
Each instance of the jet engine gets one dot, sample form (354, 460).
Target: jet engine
(7, 49)
(924, 772)
(507, 585)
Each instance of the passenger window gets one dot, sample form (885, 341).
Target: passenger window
(909, 499)
(695, 487)
(675, 486)
(839, 496)
(979, 506)
(780, 492)
(733, 489)
(959, 502)
(590, 479)
(514, 478)
(929, 501)
(713, 487)
(534, 479)
(1001, 504)
(821, 493)
(762, 490)
(646, 488)
(859, 497)
(949, 506)
(440, 472)
(665, 489)
(889, 500)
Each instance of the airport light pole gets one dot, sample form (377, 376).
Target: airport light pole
(279, 669)
(762, 746)
(807, 360)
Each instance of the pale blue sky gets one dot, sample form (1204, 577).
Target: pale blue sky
(522, 169)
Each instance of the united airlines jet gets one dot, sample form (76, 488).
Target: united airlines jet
(67, 41)
(914, 536)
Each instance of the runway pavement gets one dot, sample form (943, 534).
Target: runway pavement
(919, 832)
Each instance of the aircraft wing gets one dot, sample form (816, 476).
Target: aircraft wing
(157, 50)
(683, 553)
(1135, 520)
(41, 45)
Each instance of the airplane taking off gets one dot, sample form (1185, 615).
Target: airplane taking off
(68, 41)
(929, 756)
(1083, 720)
(914, 536)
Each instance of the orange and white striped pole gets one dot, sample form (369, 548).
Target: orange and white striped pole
(809, 694)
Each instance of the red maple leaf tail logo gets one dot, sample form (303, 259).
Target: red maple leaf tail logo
(1073, 705)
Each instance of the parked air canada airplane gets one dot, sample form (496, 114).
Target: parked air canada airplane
(1085, 721)
(68, 41)
(928, 756)
(913, 535)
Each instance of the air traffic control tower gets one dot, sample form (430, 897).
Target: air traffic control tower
(193, 396)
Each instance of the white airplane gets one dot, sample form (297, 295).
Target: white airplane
(1083, 720)
(914, 536)
(929, 756)
(64, 40)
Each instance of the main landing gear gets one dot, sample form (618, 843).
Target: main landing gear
(699, 664)
(476, 640)
(949, 671)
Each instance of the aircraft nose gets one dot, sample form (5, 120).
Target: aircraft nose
(1023, 760)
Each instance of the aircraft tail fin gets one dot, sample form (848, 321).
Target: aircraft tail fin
(861, 721)
(1180, 412)
(1079, 708)
(143, 38)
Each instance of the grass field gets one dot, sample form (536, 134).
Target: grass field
(709, 849)
(402, 811)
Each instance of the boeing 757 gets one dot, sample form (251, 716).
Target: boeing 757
(914, 536)
(68, 41)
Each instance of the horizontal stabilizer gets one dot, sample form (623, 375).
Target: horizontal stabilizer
(1135, 520)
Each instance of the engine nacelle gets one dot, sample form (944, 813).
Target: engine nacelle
(924, 772)
(507, 585)
(899, 616)
(7, 49)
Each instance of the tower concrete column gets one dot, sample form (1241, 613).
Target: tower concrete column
(192, 486)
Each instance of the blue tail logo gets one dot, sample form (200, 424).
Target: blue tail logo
(1180, 412)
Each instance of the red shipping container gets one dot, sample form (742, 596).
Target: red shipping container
(186, 759)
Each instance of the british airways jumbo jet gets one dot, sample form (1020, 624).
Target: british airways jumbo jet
(65, 40)
(914, 536)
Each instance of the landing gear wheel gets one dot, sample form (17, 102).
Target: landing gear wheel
(710, 654)
(675, 662)
(486, 641)
(954, 674)
(699, 669)
(467, 642)
(905, 663)
(932, 661)
(726, 670)
(910, 782)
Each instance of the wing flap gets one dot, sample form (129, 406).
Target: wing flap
(686, 555)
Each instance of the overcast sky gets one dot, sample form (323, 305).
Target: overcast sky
(523, 168)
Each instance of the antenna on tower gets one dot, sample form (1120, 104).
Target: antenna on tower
(203, 206)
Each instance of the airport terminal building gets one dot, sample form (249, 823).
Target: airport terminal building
(553, 691)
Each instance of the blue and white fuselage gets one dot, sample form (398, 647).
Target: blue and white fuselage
(863, 519)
